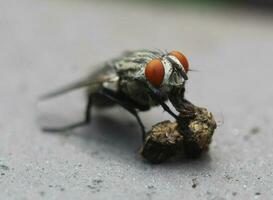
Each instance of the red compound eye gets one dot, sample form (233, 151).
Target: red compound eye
(154, 72)
(183, 60)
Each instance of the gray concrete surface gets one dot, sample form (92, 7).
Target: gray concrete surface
(46, 44)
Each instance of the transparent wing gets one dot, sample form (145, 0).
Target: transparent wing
(96, 79)
(68, 88)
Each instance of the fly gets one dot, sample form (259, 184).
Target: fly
(137, 81)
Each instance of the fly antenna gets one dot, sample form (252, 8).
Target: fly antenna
(194, 70)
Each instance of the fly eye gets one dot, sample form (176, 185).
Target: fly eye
(183, 60)
(154, 72)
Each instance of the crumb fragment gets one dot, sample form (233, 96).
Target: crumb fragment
(198, 129)
(162, 142)
(4, 167)
(194, 183)
(95, 186)
(192, 133)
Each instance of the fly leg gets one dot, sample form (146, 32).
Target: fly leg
(186, 105)
(126, 103)
(156, 94)
(75, 125)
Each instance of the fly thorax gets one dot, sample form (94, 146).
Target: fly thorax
(137, 91)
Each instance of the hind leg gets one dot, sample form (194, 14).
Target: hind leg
(75, 125)
(114, 97)
(127, 104)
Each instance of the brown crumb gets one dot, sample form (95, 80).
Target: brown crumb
(194, 183)
(192, 133)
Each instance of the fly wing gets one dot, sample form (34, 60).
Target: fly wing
(68, 88)
(129, 62)
(95, 80)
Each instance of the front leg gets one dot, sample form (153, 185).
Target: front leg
(186, 110)
(157, 95)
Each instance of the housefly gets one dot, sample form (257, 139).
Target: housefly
(137, 81)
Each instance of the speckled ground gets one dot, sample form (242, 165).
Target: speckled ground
(46, 44)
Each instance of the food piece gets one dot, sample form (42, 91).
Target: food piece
(192, 135)
(198, 131)
(202, 128)
(162, 142)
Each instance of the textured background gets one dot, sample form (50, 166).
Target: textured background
(46, 44)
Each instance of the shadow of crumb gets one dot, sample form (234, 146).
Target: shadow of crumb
(117, 136)
(112, 132)
(202, 162)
